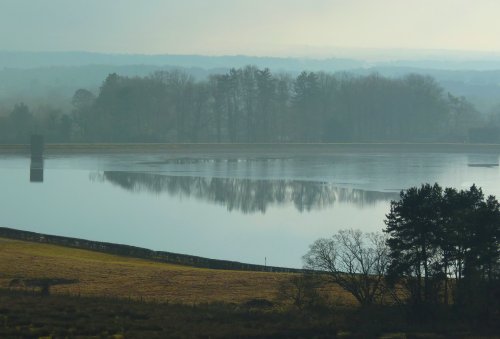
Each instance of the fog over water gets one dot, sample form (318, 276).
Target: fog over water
(237, 208)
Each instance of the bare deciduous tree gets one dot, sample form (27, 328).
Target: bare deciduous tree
(354, 260)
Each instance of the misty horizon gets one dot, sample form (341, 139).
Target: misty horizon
(367, 57)
(316, 28)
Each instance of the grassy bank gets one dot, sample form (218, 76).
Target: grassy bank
(139, 252)
(101, 274)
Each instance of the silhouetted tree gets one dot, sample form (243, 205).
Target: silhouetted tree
(413, 225)
(354, 260)
(445, 243)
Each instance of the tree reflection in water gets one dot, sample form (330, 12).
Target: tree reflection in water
(245, 195)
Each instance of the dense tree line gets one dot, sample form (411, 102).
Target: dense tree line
(445, 247)
(440, 251)
(21, 122)
(254, 105)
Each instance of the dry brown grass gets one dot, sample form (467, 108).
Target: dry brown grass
(102, 274)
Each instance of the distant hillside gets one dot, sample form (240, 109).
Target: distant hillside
(9, 59)
(49, 59)
(51, 78)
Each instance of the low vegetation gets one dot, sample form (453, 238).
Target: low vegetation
(31, 316)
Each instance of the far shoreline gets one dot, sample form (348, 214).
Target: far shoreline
(277, 149)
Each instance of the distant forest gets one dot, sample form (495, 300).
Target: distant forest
(252, 105)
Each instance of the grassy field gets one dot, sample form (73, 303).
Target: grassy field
(117, 297)
(107, 275)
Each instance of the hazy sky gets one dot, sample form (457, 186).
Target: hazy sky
(256, 27)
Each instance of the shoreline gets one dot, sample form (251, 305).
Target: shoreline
(260, 148)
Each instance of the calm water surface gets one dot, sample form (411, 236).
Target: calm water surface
(238, 208)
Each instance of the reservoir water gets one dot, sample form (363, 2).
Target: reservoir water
(238, 206)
